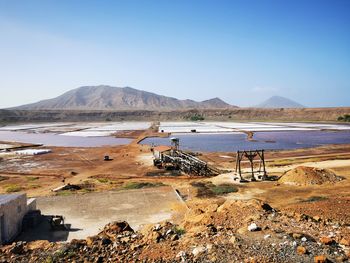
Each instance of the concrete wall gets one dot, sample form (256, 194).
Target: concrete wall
(31, 204)
(11, 215)
(156, 154)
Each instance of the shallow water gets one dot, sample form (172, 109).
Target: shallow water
(262, 140)
(50, 139)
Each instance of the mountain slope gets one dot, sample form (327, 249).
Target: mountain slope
(114, 98)
(279, 102)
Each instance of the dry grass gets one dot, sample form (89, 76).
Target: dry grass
(12, 188)
(139, 185)
(208, 189)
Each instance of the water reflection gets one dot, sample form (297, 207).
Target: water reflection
(262, 140)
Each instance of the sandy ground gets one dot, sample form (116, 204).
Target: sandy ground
(38, 175)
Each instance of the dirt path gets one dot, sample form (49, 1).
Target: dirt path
(322, 164)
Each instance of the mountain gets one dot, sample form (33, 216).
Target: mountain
(279, 102)
(114, 98)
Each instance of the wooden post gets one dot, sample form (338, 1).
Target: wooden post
(263, 160)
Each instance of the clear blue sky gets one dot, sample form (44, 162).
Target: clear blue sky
(240, 51)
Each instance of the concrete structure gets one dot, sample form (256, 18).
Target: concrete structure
(13, 207)
(86, 214)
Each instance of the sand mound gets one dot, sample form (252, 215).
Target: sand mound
(303, 175)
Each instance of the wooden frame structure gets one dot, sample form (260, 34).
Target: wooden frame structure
(251, 155)
(176, 159)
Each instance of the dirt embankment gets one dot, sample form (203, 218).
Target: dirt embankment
(231, 114)
(220, 231)
(303, 175)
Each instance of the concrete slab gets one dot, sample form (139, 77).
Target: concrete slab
(87, 214)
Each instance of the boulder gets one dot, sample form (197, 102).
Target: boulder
(199, 250)
(344, 242)
(320, 259)
(301, 250)
(253, 227)
(326, 240)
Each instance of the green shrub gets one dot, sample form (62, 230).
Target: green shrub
(224, 189)
(64, 193)
(103, 180)
(32, 178)
(313, 199)
(179, 231)
(208, 189)
(11, 188)
(345, 118)
(139, 185)
(2, 178)
(197, 117)
(49, 259)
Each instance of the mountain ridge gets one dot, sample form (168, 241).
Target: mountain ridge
(104, 97)
(279, 102)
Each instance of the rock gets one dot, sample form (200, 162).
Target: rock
(301, 250)
(303, 239)
(125, 239)
(267, 207)
(198, 250)
(233, 240)
(267, 236)
(155, 236)
(18, 248)
(133, 246)
(348, 254)
(45, 244)
(213, 259)
(344, 242)
(209, 247)
(116, 227)
(320, 259)
(220, 228)
(331, 234)
(212, 228)
(182, 255)
(317, 218)
(174, 237)
(341, 259)
(91, 240)
(296, 235)
(253, 227)
(105, 241)
(211, 208)
(326, 240)
(242, 230)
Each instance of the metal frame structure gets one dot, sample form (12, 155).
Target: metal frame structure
(179, 160)
(251, 155)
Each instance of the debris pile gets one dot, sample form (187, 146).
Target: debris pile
(216, 231)
(304, 175)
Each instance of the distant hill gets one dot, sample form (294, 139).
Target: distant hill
(114, 98)
(279, 102)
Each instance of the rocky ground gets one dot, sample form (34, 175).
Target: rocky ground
(309, 222)
(215, 231)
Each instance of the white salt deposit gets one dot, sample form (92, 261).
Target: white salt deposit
(26, 152)
(32, 151)
(87, 133)
(215, 127)
(104, 129)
